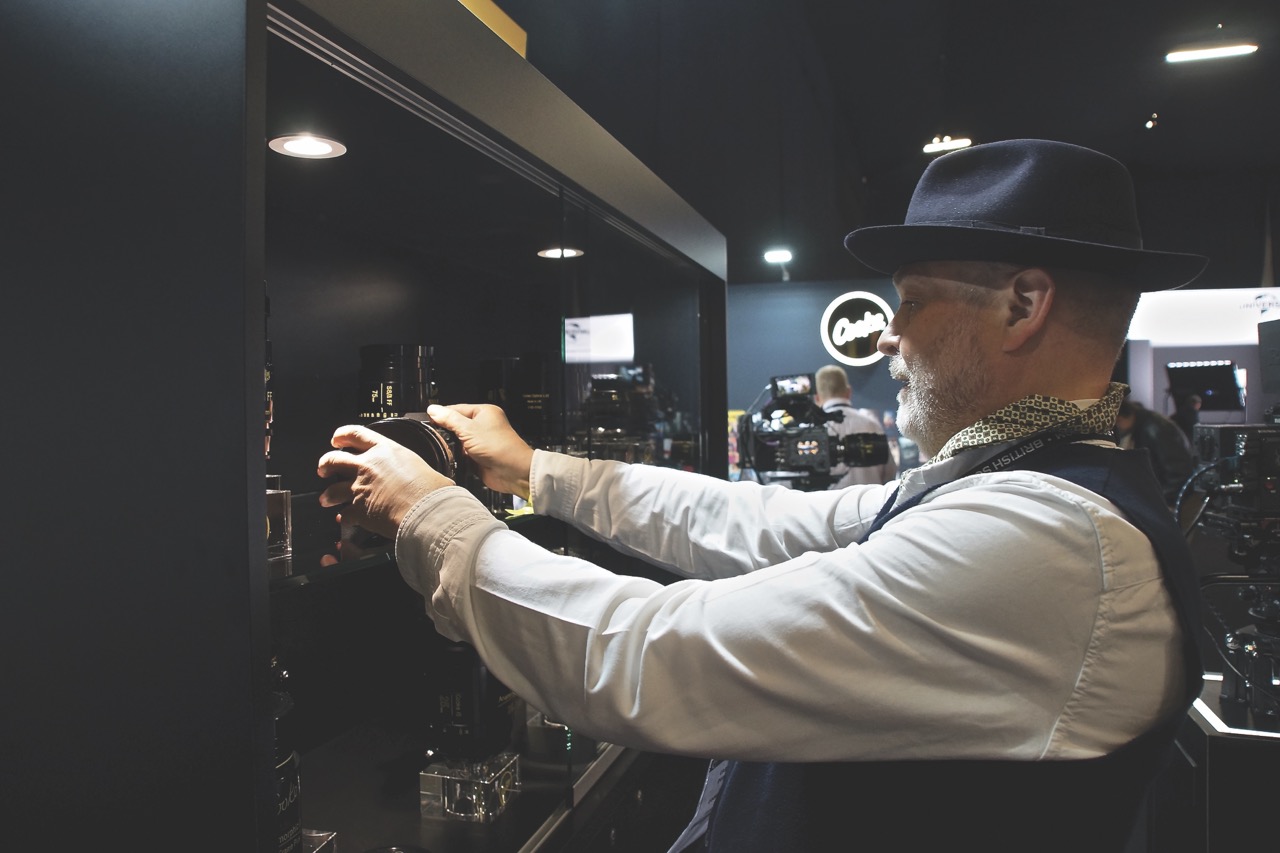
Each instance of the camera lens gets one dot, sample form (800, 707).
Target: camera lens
(395, 379)
(437, 446)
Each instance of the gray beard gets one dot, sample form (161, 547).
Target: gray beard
(939, 402)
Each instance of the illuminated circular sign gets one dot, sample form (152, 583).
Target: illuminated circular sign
(851, 327)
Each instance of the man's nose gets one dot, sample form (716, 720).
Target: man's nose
(888, 341)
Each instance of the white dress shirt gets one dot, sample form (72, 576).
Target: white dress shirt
(1009, 615)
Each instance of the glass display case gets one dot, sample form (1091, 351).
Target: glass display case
(442, 260)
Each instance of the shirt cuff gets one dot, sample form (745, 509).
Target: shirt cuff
(555, 481)
(436, 548)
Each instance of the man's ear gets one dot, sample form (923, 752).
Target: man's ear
(1030, 298)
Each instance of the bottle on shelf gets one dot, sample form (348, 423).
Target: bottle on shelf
(267, 391)
(476, 728)
(288, 789)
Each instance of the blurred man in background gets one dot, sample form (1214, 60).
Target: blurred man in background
(1170, 451)
(834, 396)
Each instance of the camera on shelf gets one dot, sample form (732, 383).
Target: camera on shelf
(623, 398)
(1240, 481)
(786, 439)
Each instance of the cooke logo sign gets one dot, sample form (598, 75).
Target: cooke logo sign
(851, 327)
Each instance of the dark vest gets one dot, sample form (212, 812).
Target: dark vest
(1081, 806)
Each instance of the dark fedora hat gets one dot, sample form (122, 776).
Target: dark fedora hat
(1025, 201)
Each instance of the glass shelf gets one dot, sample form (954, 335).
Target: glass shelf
(363, 786)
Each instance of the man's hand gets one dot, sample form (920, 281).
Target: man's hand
(380, 481)
(499, 454)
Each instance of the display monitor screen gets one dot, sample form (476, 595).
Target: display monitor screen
(599, 339)
(792, 385)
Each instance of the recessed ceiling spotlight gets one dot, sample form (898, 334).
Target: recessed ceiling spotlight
(1151, 122)
(557, 252)
(308, 146)
(1216, 52)
(946, 143)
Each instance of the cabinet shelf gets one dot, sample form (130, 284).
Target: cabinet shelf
(363, 785)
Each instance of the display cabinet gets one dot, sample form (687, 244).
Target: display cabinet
(181, 272)
(439, 260)
(427, 233)
(1218, 785)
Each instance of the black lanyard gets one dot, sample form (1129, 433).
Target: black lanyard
(998, 462)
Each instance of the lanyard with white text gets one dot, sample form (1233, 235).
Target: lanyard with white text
(1039, 441)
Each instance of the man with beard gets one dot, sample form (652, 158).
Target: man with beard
(994, 652)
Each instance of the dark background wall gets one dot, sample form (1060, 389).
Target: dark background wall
(773, 330)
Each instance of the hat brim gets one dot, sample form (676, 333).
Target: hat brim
(887, 248)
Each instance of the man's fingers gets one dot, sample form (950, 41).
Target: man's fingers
(354, 437)
(351, 437)
(334, 463)
(452, 417)
(336, 494)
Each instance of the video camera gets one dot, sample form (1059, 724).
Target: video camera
(787, 437)
(1240, 479)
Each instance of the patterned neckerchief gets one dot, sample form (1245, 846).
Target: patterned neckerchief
(1038, 413)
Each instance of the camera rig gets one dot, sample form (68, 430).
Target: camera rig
(786, 438)
(1240, 481)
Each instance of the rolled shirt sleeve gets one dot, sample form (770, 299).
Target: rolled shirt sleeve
(984, 622)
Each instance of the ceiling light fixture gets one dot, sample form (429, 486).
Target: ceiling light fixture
(1220, 52)
(946, 143)
(307, 146)
(557, 252)
(781, 257)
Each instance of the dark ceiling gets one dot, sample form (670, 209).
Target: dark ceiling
(691, 88)
(807, 117)
(1087, 72)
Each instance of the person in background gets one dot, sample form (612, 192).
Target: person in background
(906, 453)
(1186, 414)
(1170, 452)
(833, 395)
(993, 652)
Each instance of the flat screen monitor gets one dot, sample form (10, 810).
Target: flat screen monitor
(792, 385)
(599, 338)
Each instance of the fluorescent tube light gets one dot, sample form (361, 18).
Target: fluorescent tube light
(1221, 52)
(946, 143)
